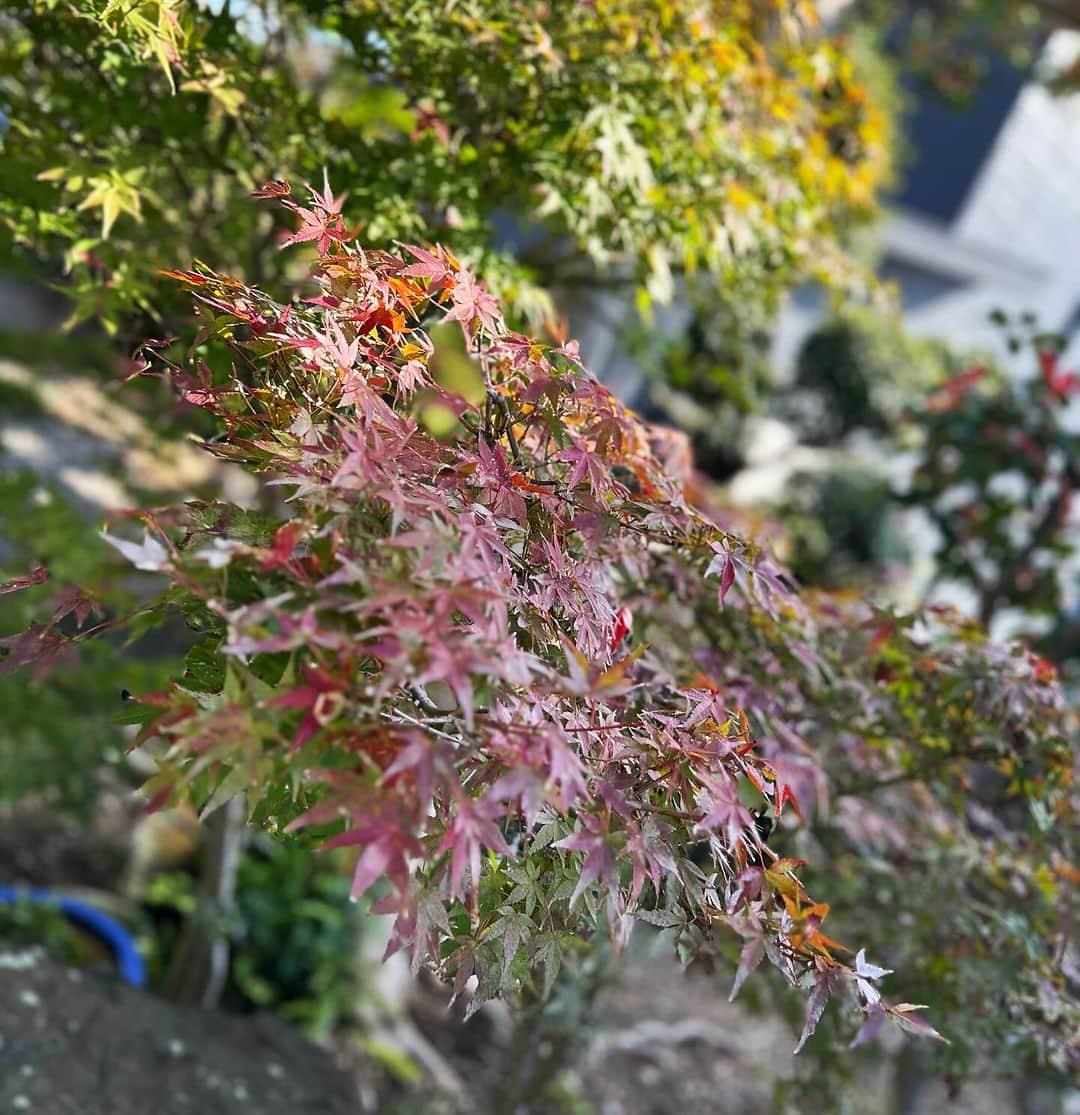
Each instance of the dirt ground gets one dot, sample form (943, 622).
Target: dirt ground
(80, 1042)
(658, 1041)
(660, 1044)
(76, 1042)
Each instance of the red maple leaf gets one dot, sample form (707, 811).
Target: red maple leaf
(621, 627)
(35, 577)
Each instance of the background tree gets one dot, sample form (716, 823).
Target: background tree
(949, 45)
(650, 136)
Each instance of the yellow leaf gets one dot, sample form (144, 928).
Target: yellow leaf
(785, 884)
(113, 195)
(614, 674)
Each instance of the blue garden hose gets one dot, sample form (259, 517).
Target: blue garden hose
(129, 961)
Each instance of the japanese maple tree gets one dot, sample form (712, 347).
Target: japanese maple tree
(435, 658)
(502, 646)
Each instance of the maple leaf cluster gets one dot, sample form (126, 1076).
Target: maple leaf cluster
(486, 646)
(461, 693)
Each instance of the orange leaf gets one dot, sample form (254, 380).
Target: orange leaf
(614, 674)
(192, 278)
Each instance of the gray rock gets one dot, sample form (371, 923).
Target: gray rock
(94, 1046)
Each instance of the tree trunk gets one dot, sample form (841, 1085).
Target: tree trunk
(200, 964)
(910, 1081)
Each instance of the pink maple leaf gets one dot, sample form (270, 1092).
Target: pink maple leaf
(473, 305)
(599, 859)
(723, 812)
(468, 833)
(322, 223)
(724, 564)
(322, 699)
(429, 266)
(38, 646)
